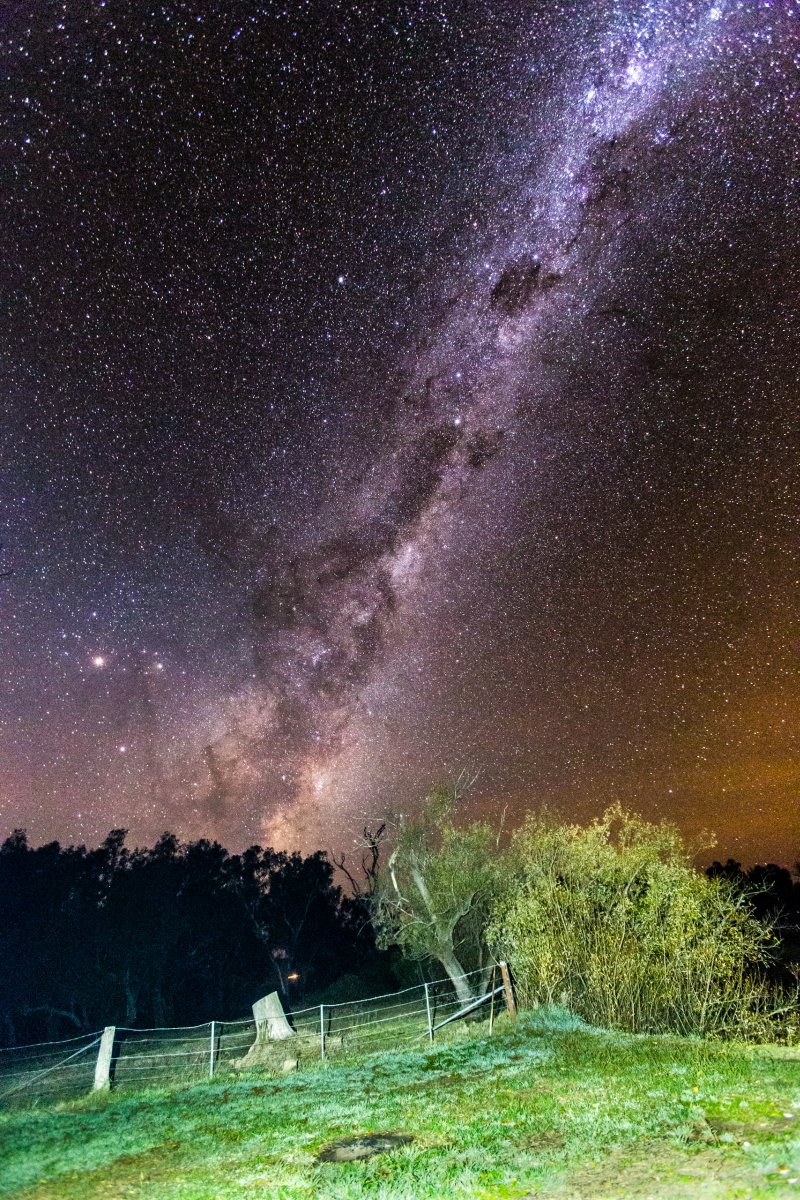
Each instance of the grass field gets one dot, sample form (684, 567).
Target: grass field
(544, 1108)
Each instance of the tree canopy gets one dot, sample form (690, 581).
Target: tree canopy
(438, 886)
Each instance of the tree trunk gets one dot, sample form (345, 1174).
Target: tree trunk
(10, 1037)
(159, 1006)
(446, 956)
(283, 989)
(131, 1000)
(443, 931)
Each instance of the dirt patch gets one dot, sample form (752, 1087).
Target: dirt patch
(659, 1172)
(757, 1128)
(547, 1139)
(366, 1146)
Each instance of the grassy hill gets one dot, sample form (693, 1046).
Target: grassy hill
(544, 1108)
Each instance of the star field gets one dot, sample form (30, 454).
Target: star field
(397, 388)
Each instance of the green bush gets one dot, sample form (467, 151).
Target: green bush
(613, 920)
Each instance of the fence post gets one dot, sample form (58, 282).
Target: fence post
(322, 1030)
(491, 1002)
(211, 1050)
(428, 1010)
(509, 992)
(102, 1070)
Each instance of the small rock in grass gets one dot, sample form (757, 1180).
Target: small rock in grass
(290, 1064)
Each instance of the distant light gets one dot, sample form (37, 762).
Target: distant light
(122, 749)
(98, 661)
(340, 279)
(294, 976)
(159, 666)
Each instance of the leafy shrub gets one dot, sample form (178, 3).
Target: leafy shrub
(613, 920)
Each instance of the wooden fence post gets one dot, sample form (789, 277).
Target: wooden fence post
(102, 1070)
(322, 1030)
(428, 1010)
(509, 991)
(211, 1050)
(491, 1002)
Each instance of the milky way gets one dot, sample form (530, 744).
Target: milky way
(475, 449)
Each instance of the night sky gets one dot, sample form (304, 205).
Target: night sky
(391, 389)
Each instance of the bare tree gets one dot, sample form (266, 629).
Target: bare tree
(370, 846)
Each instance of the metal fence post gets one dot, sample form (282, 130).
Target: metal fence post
(211, 1050)
(428, 1010)
(102, 1070)
(322, 1030)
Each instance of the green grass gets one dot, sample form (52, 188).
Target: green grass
(547, 1107)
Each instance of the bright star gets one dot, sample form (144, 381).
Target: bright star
(98, 661)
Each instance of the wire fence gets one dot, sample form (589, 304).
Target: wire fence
(48, 1071)
(130, 1059)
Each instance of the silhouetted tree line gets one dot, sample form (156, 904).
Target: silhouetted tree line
(179, 933)
(175, 934)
